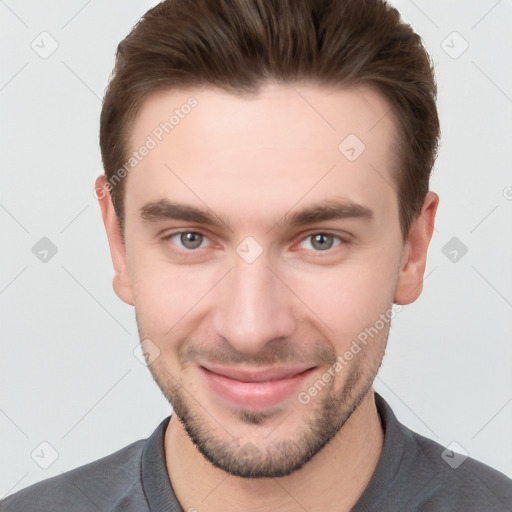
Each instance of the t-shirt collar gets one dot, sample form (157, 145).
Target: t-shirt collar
(161, 498)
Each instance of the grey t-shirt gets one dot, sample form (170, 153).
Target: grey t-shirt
(412, 475)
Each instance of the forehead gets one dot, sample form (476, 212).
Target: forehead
(320, 115)
(286, 142)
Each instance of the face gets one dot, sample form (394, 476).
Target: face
(262, 241)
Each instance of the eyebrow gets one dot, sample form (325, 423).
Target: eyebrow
(168, 210)
(328, 210)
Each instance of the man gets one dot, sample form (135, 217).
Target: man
(266, 201)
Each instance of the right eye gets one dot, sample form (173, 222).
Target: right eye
(187, 240)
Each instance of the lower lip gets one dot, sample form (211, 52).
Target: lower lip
(255, 395)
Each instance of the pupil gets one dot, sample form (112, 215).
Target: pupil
(191, 240)
(322, 241)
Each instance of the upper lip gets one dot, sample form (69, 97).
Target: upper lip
(257, 375)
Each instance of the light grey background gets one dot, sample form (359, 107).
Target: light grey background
(69, 376)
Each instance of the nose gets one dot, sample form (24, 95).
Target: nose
(253, 307)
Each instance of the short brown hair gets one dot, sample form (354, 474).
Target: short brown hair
(238, 45)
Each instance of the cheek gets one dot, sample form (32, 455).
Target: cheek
(349, 297)
(165, 295)
(341, 300)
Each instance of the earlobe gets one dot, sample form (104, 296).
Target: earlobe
(121, 282)
(414, 255)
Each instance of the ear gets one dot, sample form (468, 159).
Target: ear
(121, 283)
(414, 255)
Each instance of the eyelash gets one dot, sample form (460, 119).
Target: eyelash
(341, 240)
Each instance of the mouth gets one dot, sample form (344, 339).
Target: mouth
(255, 389)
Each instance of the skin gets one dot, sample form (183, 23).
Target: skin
(252, 160)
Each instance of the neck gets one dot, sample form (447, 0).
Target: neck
(339, 473)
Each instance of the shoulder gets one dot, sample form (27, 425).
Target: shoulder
(458, 482)
(98, 485)
(418, 474)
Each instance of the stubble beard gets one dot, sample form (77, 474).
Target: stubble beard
(331, 410)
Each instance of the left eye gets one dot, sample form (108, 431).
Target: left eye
(188, 239)
(320, 242)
